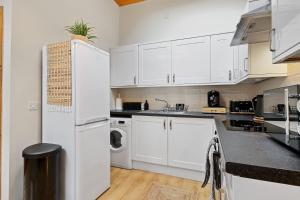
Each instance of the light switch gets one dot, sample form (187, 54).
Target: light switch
(33, 105)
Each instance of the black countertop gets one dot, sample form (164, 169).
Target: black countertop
(255, 155)
(117, 113)
(247, 154)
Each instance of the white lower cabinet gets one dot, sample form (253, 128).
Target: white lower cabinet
(188, 140)
(238, 188)
(176, 142)
(150, 139)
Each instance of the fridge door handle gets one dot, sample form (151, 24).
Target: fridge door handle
(94, 120)
(85, 127)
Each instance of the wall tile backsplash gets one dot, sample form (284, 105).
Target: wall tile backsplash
(194, 96)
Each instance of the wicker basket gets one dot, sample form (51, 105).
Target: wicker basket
(59, 80)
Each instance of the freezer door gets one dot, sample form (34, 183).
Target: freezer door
(92, 160)
(92, 91)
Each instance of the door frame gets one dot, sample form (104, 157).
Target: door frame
(6, 89)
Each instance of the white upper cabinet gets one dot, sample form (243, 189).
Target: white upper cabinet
(191, 61)
(124, 66)
(155, 64)
(222, 58)
(285, 42)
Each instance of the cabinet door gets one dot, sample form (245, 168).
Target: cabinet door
(188, 142)
(155, 64)
(149, 141)
(124, 66)
(222, 59)
(286, 25)
(191, 61)
(243, 60)
(236, 68)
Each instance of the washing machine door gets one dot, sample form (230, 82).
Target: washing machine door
(117, 139)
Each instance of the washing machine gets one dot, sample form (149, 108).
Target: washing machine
(120, 142)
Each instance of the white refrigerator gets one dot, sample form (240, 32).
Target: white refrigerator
(82, 127)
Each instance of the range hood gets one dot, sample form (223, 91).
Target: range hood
(254, 26)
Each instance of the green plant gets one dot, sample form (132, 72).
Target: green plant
(81, 28)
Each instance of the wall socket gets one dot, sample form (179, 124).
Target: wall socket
(33, 105)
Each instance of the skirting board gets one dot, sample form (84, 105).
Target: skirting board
(172, 171)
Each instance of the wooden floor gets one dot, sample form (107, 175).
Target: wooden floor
(134, 184)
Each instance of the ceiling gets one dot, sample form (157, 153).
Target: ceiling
(127, 2)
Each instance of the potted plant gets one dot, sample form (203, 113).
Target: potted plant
(82, 31)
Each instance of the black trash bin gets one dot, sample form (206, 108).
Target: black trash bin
(42, 172)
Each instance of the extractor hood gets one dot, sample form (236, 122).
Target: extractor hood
(254, 26)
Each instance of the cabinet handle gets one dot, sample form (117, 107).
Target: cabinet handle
(168, 78)
(173, 78)
(230, 75)
(164, 124)
(245, 68)
(171, 125)
(271, 40)
(134, 80)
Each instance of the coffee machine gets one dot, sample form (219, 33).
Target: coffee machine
(213, 102)
(213, 98)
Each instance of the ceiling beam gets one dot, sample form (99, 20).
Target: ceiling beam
(127, 2)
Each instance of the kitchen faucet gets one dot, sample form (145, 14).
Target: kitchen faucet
(165, 101)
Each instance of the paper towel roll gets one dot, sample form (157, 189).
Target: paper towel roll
(119, 105)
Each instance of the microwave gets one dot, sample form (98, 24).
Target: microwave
(282, 108)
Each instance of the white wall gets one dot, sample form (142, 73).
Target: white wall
(155, 20)
(35, 23)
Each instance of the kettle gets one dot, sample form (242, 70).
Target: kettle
(258, 105)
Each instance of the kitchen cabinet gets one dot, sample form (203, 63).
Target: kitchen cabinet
(191, 61)
(222, 58)
(243, 60)
(255, 63)
(285, 42)
(237, 188)
(260, 62)
(149, 139)
(188, 141)
(124, 66)
(175, 142)
(155, 64)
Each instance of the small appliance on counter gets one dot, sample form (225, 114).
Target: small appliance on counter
(241, 107)
(213, 102)
(213, 98)
(132, 106)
